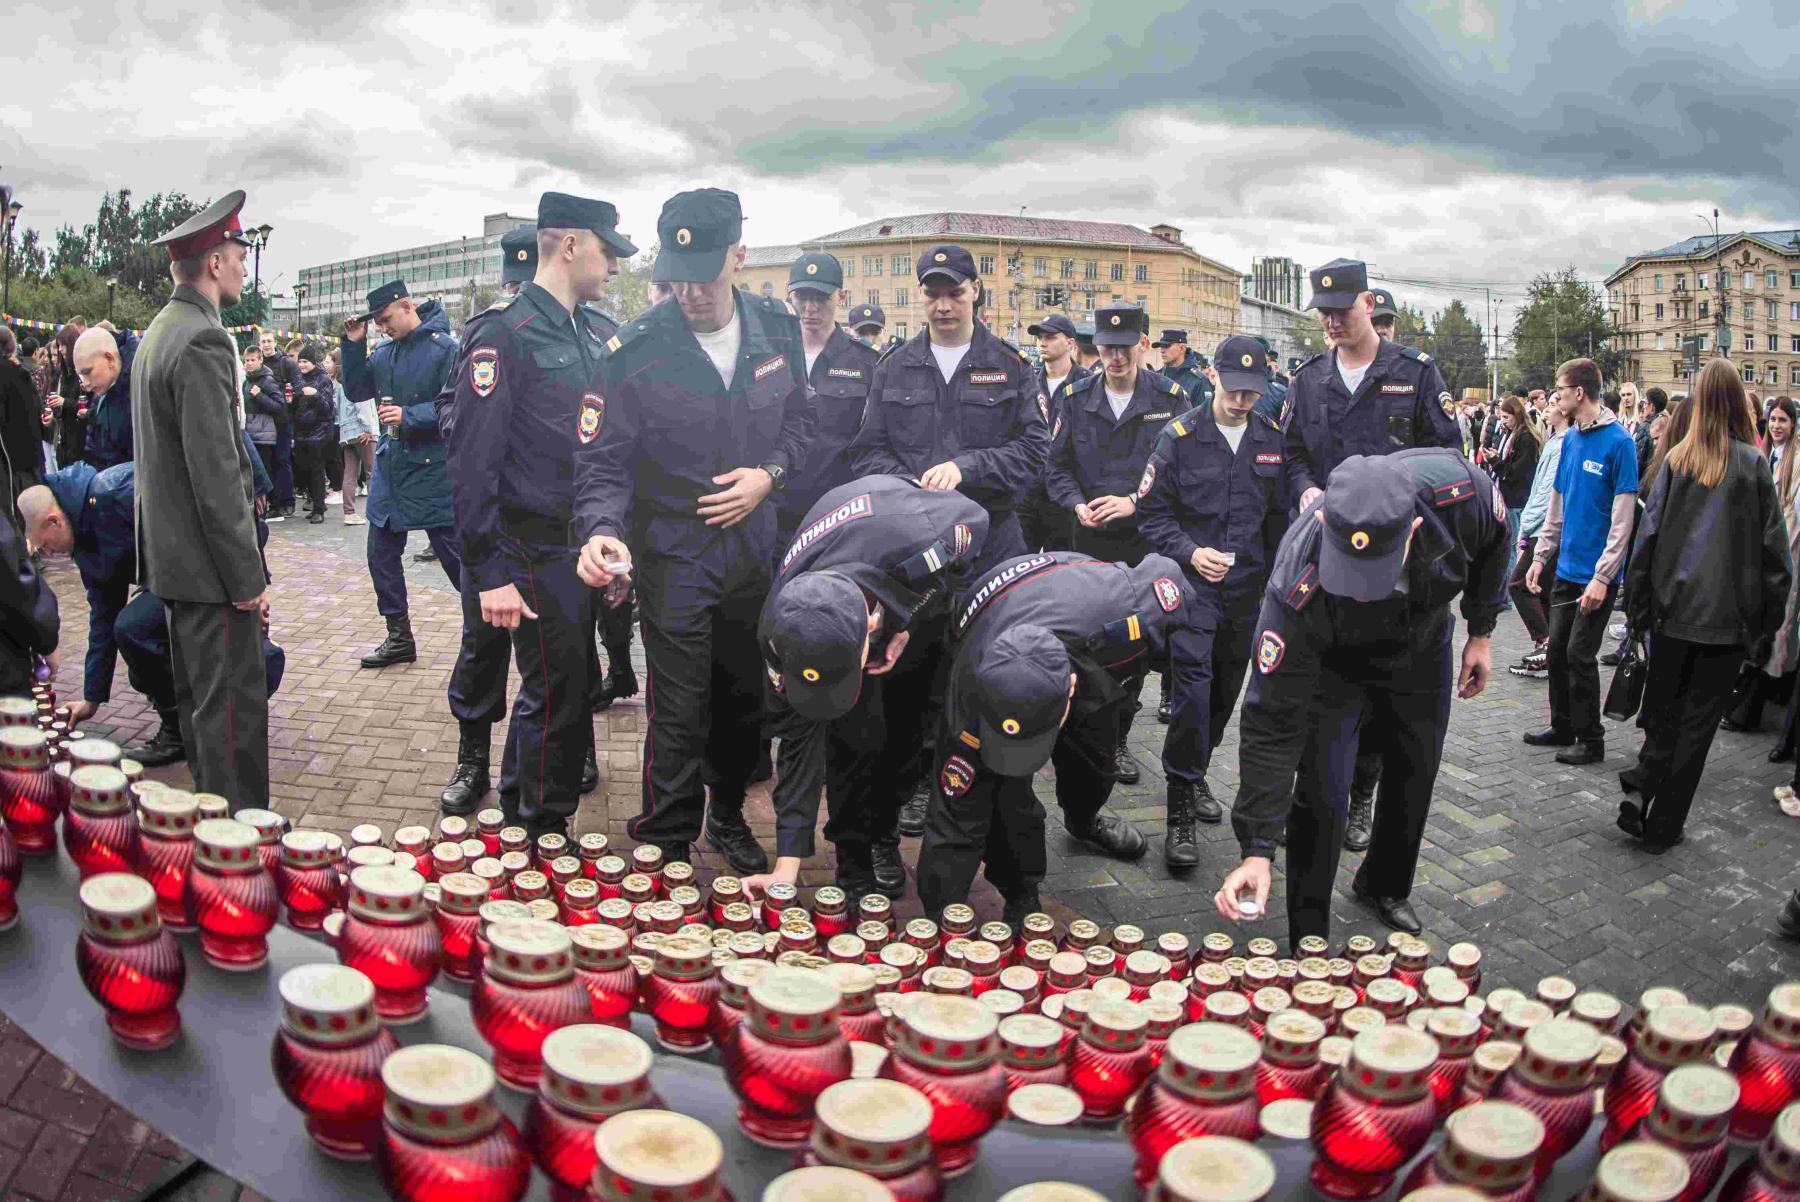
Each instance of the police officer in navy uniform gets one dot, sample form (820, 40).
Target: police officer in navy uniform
(839, 370)
(525, 389)
(1107, 424)
(701, 414)
(958, 407)
(853, 636)
(1384, 317)
(1044, 646)
(867, 322)
(1183, 366)
(1045, 525)
(1358, 611)
(1215, 499)
(1273, 402)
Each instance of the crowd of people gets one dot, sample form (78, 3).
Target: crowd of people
(921, 573)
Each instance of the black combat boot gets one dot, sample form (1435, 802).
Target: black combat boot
(1124, 765)
(912, 814)
(1165, 707)
(163, 747)
(730, 836)
(889, 869)
(590, 770)
(1361, 826)
(620, 681)
(469, 779)
(397, 648)
(1180, 848)
(1018, 905)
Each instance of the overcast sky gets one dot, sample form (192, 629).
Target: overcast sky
(1465, 140)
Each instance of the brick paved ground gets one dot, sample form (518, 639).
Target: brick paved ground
(1521, 854)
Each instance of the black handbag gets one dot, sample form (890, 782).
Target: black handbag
(1626, 693)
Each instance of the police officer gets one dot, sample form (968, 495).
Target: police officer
(1384, 316)
(524, 386)
(838, 372)
(853, 635)
(867, 322)
(1045, 644)
(1045, 525)
(1215, 499)
(1106, 426)
(957, 407)
(1087, 355)
(700, 415)
(1273, 402)
(1358, 612)
(1183, 366)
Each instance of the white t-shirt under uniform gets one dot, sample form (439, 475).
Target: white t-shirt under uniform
(721, 346)
(949, 358)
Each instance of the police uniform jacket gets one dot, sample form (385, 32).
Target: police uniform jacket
(109, 414)
(196, 527)
(1038, 495)
(1092, 454)
(523, 395)
(1197, 492)
(410, 489)
(988, 420)
(665, 425)
(98, 507)
(1111, 617)
(1400, 404)
(839, 383)
(1459, 548)
(1192, 378)
(1273, 402)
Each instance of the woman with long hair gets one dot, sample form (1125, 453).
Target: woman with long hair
(1770, 671)
(1710, 574)
(1778, 436)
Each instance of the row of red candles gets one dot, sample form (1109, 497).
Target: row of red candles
(391, 901)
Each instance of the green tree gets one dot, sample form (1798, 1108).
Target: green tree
(1564, 317)
(252, 309)
(29, 261)
(1410, 327)
(1457, 345)
(628, 294)
(1308, 337)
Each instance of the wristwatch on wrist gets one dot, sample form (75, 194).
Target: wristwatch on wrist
(777, 474)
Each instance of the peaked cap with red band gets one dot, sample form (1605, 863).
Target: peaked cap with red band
(203, 231)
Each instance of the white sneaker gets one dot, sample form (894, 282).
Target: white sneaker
(333, 497)
(362, 490)
(355, 519)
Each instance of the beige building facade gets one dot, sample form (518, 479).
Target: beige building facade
(1737, 295)
(1030, 267)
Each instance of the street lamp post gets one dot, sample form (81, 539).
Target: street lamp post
(299, 298)
(259, 238)
(112, 288)
(11, 217)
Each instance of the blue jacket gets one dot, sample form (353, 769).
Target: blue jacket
(410, 489)
(98, 505)
(1543, 483)
(109, 414)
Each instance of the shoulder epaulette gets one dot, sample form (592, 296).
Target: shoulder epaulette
(1413, 352)
(498, 304)
(1084, 383)
(1312, 361)
(1268, 421)
(1015, 350)
(628, 333)
(1174, 388)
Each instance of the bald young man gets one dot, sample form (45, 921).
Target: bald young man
(102, 360)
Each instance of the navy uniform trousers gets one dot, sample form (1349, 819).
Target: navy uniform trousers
(386, 549)
(1209, 655)
(1407, 699)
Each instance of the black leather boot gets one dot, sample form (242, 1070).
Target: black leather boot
(731, 837)
(163, 747)
(1165, 707)
(912, 814)
(620, 682)
(1180, 849)
(590, 770)
(889, 869)
(1124, 765)
(397, 648)
(1360, 828)
(469, 779)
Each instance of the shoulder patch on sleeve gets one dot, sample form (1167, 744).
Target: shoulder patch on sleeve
(484, 370)
(1271, 648)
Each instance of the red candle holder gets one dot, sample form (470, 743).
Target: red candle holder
(447, 858)
(785, 1053)
(591, 1073)
(458, 919)
(1692, 1117)
(1488, 1063)
(681, 992)
(527, 989)
(947, 1048)
(1639, 1171)
(1205, 1085)
(1464, 959)
(881, 1128)
(735, 979)
(647, 1154)
(307, 880)
(211, 805)
(856, 1018)
(1290, 1066)
(1376, 1114)
(831, 912)
(1044, 1106)
(1553, 1079)
(1672, 1035)
(1773, 1175)
(18, 711)
(99, 830)
(1213, 1166)
(1109, 1062)
(443, 1138)
(647, 860)
(488, 825)
(1556, 993)
(12, 870)
(269, 827)
(1458, 1034)
(83, 752)
(128, 962)
(415, 841)
(28, 794)
(1489, 1148)
(1031, 1051)
(231, 896)
(603, 966)
(389, 937)
(328, 1055)
(1766, 1064)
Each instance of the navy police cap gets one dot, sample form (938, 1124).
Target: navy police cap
(948, 260)
(1242, 364)
(1384, 304)
(380, 298)
(817, 627)
(1020, 695)
(1120, 325)
(1171, 338)
(1056, 323)
(518, 255)
(867, 315)
(1369, 507)
(1337, 284)
(695, 230)
(560, 211)
(816, 271)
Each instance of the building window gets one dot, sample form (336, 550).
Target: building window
(1794, 310)
(987, 264)
(873, 298)
(1749, 373)
(1771, 279)
(1659, 311)
(1658, 285)
(1681, 281)
(1794, 344)
(1659, 342)
(1141, 273)
(1636, 313)
(902, 264)
(1703, 308)
(1040, 268)
(1117, 273)
(1143, 301)
(1090, 270)
(1794, 279)
(1700, 342)
(849, 267)
(1749, 284)
(900, 331)
(901, 297)
(1675, 369)
(1066, 270)
(1794, 375)
(871, 264)
(1771, 309)
(1700, 279)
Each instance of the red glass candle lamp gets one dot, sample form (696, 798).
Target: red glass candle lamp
(735, 979)
(1205, 1085)
(1109, 1062)
(18, 711)
(1638, 1171)
(415, 841)
(129, 963)
(390, 938)
(100, 829)
(488, 868)
(1648, 1002)
(1163, 1012)
(488, 825)
(307, 880)
(1692, 1118)
(947, 980)
(603, 967)
(1265, 1003)
(85, 752)
(1672, 1035)
(1488, 1063)
(847, 949)
(1290, 1065)
(1026, 982)
(28, 794)
(1143, 969)
(1213, 1168)
(1031, 1051)
(1489, 1148)
(1067, 973)
(269, 827)
(12, 870)
(328, 1055)
(591, 1073)
(457, 916)
(1458, 1033)
(856, 1018)
(908, 961)
(443, 1138)
(1553, 1079)
(649, 1154)
(1518, 1017)
(881, 1128)
(1773, 1174)
(786, 1052)
(681, 992)
(231, 895)
(1230, 1007)
(527, 989)
(1375, 1114)
(1766, 1063)
(947, 1048)
(831, 912)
